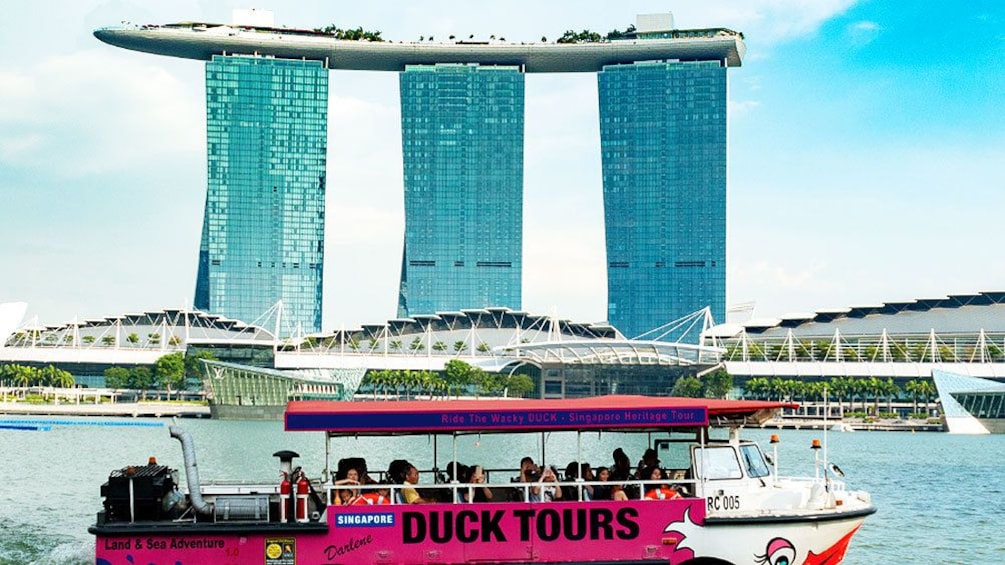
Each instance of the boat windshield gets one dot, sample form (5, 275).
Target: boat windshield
(753, 460)
(718, 462)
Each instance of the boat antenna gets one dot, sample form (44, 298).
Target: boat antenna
(827, 480)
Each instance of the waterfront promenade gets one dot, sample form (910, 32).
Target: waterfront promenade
(123, 409)
(854, 425)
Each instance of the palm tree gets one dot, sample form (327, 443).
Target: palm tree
(133, 338)
(776, 388)
(460, 346)
(22, 375)
(757, 387)
(876, 388)
(911, 387)
(890, 390)
(88, 339)
(380, 380)
(858, 387)
(108, 340)
(483, 347)
(838, 387)
(439, 346)
(395, 345)
(927, 389)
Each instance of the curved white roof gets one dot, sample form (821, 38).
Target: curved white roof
(952, 314)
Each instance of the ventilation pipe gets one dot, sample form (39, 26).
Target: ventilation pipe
(191, 471)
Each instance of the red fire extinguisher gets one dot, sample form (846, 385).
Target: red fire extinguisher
(302, 488)
(284, 498)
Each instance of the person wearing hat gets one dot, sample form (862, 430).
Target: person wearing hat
(649, 459)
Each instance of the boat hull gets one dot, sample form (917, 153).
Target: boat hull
(668, 531)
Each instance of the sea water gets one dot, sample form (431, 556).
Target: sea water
(941, 498)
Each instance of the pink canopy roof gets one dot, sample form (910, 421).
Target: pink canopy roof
(618, 412)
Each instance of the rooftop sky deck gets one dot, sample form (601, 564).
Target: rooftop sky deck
(202, 41)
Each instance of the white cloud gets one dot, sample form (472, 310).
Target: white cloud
(96, 112)
(762, 21)
(863, 33)
(16, 147)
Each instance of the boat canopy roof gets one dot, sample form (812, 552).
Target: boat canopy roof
(613, 413)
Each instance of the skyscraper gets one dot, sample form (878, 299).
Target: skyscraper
(263, 225)
(663, 143)
(462, 143)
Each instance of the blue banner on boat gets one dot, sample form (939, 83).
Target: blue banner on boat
(489, 420)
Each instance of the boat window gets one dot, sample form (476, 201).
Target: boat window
(753, 460)
(718, 463)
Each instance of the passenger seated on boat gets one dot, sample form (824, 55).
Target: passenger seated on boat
(602, 492)
(657, 491)
(649, 459)
(528, 471)
(342, 496)
(374, 497)
(542, 492)
(621, 471)
(528, 474)
(455, 474)
(357, 463)
(571, 492)
(402, 472)
(475, 475)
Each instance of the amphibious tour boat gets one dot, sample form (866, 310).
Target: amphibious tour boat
(714, 502)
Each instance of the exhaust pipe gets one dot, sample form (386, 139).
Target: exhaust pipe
(191, 471)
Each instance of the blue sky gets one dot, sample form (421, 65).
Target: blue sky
(866, 142)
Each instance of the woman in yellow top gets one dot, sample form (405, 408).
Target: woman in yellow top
(404, 473)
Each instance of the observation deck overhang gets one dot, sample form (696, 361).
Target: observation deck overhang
(190, 43)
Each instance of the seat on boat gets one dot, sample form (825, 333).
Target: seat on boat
(357, 463)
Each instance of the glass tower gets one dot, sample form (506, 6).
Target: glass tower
(462, 144)
(263, 226)
(663, 141)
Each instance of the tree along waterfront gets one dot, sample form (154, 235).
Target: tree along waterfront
(843, 389)
(25, 376)
(456, 378)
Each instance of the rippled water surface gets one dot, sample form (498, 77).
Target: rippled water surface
(940, 497)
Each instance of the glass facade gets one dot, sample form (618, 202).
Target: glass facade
(263, 226)
(583, 380)
(462, 145)
(982, 404)
(663, 143)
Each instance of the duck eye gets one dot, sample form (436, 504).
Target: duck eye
(782, 556)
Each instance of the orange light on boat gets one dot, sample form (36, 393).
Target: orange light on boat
(774, 438)
(816, 444)
(152, 460)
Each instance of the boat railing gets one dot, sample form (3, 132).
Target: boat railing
(516, 491)
(834, 485)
